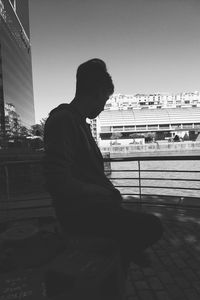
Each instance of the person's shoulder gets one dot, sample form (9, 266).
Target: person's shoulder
(61, 114)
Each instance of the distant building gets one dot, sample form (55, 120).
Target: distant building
(153, 101)
(130, 123)
(147, 113)
(16, 86)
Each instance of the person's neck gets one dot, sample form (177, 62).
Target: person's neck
(78, 106)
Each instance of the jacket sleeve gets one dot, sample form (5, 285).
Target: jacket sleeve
(59, 139)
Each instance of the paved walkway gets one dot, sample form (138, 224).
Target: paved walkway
(175, 267)
(175, 260)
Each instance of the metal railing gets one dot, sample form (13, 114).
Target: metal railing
(22, 191)
(146, 181)
(15, 174)
(22, 182)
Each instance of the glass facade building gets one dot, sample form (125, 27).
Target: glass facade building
(16, 85)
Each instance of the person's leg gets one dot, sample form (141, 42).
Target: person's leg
(134, 231)
(137, 231)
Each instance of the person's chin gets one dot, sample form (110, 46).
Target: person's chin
(93, 115)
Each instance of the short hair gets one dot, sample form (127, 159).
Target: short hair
(92, 76)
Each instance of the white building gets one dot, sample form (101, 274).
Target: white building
(119, 125)
(153, 101)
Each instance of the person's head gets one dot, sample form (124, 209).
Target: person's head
(93, 86)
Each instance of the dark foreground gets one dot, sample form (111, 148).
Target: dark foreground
(175, 260)
(174, 272)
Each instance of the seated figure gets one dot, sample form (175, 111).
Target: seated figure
(85, 200)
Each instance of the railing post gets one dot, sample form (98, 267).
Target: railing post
(139, 179)
(7, 183)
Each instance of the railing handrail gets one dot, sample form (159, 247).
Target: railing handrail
(16, 162)
(118, 159)
(153, 157)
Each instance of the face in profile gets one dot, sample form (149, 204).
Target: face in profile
(97, 105)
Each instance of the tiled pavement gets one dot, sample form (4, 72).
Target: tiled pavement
(175, 260)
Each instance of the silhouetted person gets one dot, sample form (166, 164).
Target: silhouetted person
(85, 200)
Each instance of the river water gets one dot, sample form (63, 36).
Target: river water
(158, 186)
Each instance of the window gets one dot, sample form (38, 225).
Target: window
(105, 129)
(129, 128)
(152, 127)
(176, 126)
(164, 126)
(187, 126)
(141, 127)
(117, 128)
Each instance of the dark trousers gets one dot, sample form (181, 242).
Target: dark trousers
(133, 231)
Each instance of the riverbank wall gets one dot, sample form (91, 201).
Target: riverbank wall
(154, 147)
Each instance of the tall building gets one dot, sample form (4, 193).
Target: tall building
(16, 84)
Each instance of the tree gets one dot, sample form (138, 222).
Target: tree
(12, 125)
(38, 129)
(160, 135)
(16, 127)
(115, 136)
(135, 136)
(186, 137)
(176, 138)
(149, 138)
(24, 131)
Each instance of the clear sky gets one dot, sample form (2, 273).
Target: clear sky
(148, 45)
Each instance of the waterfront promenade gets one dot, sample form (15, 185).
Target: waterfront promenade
(174, 270)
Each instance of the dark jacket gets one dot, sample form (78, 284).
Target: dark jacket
(72, 158)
